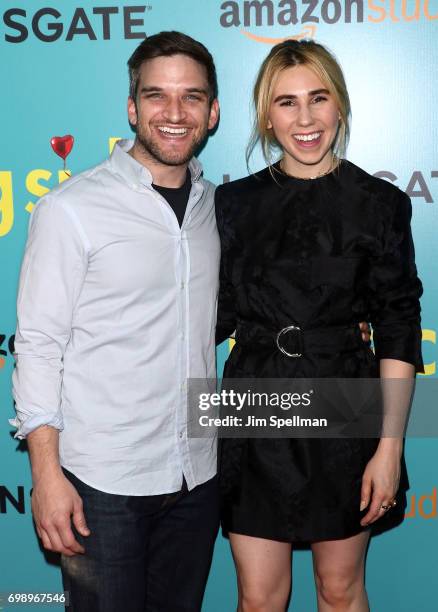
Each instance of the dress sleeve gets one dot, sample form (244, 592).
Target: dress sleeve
(394, 291)
(226, 310)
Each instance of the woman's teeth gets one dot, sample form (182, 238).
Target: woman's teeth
(307, 137)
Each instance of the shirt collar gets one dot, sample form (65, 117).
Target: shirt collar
(134, 172)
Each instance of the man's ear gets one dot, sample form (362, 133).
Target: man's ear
(132, 112)
(214, 114)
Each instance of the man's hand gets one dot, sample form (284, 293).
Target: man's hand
(54, 502)
(366, 331)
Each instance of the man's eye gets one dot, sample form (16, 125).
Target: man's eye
(192, 97)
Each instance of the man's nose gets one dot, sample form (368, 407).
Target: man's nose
(174, 110)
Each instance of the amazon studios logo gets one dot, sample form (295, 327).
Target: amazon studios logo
(99, 23)
(291, 12)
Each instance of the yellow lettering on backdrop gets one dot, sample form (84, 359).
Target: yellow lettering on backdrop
(376, 9)
(35, 188)
(111, 143)
(6, 203)
(63, 175)
(429, 335)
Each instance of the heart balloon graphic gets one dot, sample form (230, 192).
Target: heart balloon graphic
(62, 145)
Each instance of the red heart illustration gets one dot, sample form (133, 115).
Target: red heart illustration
(62, 145)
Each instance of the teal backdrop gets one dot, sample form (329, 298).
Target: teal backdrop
(63, 71)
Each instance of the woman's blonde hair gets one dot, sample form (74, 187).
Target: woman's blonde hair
(286, 55)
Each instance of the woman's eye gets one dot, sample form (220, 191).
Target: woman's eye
(319, 99)
(287, 103)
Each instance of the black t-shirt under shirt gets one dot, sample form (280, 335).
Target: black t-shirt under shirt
(177, 197)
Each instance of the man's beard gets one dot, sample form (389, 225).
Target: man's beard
(168, 157)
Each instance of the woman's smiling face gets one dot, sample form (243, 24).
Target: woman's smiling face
(304, 118)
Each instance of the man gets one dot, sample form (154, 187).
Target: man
(116, 309)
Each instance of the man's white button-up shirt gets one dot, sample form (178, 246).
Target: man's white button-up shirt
(116, 310)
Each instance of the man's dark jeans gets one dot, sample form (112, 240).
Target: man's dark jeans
(144, 554)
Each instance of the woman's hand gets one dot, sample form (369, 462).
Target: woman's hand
(381, 479)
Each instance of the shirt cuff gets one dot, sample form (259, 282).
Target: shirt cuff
(24, 428)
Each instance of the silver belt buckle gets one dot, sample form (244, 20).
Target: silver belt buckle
(283, 331)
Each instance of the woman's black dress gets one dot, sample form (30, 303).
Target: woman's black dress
(320, 254)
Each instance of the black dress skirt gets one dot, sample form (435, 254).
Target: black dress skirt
(319, 254)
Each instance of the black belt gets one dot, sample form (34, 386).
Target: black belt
(293, 341)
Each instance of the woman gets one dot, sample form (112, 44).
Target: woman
(316, 243)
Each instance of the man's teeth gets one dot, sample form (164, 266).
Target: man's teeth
(168, 130)
(307, 137)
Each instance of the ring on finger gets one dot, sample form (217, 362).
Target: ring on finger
(389, 505)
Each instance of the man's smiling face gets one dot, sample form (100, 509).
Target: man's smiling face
(172, 112)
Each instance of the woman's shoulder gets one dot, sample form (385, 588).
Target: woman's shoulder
(240, 199)
(245, 186)
(380, 188)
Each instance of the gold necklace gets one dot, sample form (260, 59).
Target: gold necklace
(333, 165)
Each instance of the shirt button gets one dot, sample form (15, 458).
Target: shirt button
(181, 434)
(182, 285)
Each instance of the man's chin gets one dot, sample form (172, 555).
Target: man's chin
(174, 161)
(168, 158)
